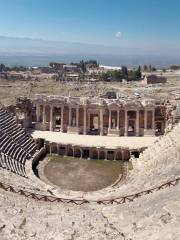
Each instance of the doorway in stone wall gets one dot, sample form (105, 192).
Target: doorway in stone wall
(94, 124)
(158, 128)
(57, 122)
(131, 127)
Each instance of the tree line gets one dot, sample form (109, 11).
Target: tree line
(122, 74)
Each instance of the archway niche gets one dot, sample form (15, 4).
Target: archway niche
(41, 113)
(47, 111)
(94, 154)
(77, 152)
(53, 148)
(62, 150)
(102, 155)
(135, 154)
(119, 155)
(70, 151)
(110, 155)
(85, 153)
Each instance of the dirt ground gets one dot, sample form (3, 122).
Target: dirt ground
(9, 90)
(82, 174)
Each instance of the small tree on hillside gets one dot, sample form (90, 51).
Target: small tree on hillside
(124, 72)
(138, 73)
(145, 68)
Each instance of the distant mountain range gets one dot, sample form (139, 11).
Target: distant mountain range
(28, 46)
(38, 52)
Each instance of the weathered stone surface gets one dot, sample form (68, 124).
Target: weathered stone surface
(155, 216)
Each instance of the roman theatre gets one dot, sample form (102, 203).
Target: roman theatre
(90, 128)
(58, 153)
(99, 128)
(83, 128)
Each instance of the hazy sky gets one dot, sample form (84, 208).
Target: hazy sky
(144, 24)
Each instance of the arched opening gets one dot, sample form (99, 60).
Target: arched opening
(85, 153)
(47, 111)
(73, 117)
(102, 155)
(159, 129)
(62, 150)
(53, 148)
(110, 155)
(94, 154)
(77, 152)
(48, 148)
(41, 113)
(119, 155)
(94, 124)
(113, 119)
(131, 123)
(57, 118)
(70, 151)
(135, 154)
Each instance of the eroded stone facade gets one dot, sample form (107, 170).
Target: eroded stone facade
(100, 116)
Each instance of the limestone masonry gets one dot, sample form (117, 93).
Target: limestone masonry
(101, 116)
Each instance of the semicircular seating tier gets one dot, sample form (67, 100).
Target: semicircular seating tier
(16, 145)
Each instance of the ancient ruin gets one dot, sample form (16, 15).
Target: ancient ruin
(138, 132)
(100, 116)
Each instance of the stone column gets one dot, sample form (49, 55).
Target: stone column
(51, 118)
(84, 124)
(81, 152)
(37, 113)
(126, 123)
(98, 153)
(137, 123)
(114, 156)
(106, 153)
(153, 119)
(145, 119)
(73, 150)
(58, 149)
(117, 127)
(70, 116)
(101, 122)
(66, 151)
(77, 116)
(50, 148)
(44, 114)
(62, 118)
(122, 154)
(88, 121)
(109, 119)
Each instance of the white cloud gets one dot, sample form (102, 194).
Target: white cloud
(118, 34)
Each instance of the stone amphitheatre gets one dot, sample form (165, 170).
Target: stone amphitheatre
(139, 134)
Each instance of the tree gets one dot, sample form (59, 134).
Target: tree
(117, 75)
(106, 77)
(92, 64)
(150, 68)
(82, 66)
(145, 68)
(2, 68)
(164, 70)
(174, 67)
(124, 72)
(138, 73)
